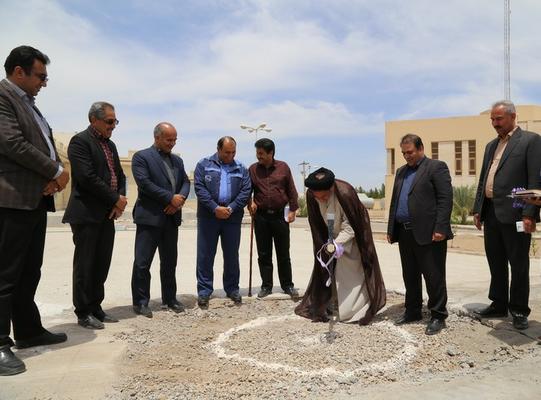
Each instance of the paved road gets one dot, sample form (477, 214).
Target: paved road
(84, 367)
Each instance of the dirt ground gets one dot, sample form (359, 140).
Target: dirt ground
(262, 350)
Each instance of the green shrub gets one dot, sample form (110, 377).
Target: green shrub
(303, 209)
(463, 200)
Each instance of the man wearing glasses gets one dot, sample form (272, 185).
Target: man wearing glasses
(98, 197)
(30, 173)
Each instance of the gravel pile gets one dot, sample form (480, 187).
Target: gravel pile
(262, 350)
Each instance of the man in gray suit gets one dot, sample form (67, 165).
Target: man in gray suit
(162, 186)
(512, 160)
(420, 221)
(30, 173)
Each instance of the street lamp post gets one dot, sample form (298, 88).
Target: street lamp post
(262, 127)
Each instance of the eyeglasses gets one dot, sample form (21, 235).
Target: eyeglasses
(42, 77)
(111, 121)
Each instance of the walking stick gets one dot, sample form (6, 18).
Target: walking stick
(251, 252)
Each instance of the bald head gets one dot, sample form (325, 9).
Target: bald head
(227, 148)
(165, 137)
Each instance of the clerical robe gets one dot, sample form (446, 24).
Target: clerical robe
(360, 290)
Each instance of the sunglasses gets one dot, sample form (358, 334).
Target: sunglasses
(42, 77)
(111, 121)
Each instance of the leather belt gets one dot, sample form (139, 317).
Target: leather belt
(407, 226)
(269, 211)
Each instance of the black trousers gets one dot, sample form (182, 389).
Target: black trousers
(426, 261)
(91, 261)
(22, 240)
(269, 227)
(147, 240)
(504, 246)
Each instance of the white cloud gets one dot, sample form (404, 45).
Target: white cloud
(327, 69)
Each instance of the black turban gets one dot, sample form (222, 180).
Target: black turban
(320, 179)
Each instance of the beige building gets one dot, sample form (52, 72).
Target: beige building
(61, 199)
(459, 141)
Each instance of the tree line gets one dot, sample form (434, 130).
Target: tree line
(374, 193)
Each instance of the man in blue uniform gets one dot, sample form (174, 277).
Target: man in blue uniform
(222, 186)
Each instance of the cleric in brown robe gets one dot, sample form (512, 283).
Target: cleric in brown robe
(356, 281)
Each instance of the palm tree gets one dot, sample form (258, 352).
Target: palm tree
(463, 199)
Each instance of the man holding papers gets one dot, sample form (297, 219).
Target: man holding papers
(512, 160)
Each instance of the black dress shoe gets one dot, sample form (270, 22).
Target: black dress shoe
(294, 293)
(236, 297)
(520, 321)
(9, 362)
(143, 310)
(109, 318)
(407, 318)
(435, 326)
(46, 338)
(174, 306)
(203, 302)
(491, 312)
(90, 322)
(103, 317)
(264, 292)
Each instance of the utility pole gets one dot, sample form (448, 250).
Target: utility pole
(507, 50)
(304, 165)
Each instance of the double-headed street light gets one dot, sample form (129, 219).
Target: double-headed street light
(261, 127)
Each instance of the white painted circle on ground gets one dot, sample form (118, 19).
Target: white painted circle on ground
(397, 361)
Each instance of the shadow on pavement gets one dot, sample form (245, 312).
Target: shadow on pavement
(76, 335)
(505, 332)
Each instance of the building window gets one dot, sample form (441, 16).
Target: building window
(472, 158)
(458, 158)
(523, 125)
(435, 153)
(392, 162)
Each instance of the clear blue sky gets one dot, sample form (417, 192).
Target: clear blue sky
(324, 75)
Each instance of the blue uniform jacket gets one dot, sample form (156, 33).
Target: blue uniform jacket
(154, 191)
(207, 188)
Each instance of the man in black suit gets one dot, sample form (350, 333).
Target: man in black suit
(97, 198)
(30, 173)
(512, 160)
(419, 219)
(163, 187)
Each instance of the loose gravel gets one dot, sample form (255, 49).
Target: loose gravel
(262, 350)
